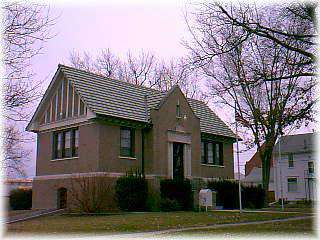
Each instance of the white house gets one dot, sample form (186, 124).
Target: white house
(294, 170)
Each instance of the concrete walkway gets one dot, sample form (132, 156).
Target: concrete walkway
(31, 215)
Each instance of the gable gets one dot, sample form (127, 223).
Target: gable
(61, 102)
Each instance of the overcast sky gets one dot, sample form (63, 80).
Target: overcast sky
(158, 28)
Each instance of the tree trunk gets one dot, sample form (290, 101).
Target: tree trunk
(266, 163)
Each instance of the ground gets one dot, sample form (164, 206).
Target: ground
(142, 222)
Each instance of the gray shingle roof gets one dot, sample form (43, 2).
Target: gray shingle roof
(121, 99)
(296, 143)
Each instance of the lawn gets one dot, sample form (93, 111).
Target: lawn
(135, 222)
(296, 227)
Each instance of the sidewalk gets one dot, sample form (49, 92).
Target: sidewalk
(33, 214)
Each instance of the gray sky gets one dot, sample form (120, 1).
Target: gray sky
(157, 27)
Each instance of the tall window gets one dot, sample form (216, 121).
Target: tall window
(292, 184)
(178, 111)
(65, 143)
(290, 160)
(212, 153)
(310, 167)
(127, 142)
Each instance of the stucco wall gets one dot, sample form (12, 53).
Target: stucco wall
(88, 153)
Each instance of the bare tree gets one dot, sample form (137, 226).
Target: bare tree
(26, 27)
(91, 194)
(259, 77)
(292, 26)
(143, 70)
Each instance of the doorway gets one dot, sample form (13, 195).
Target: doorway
(178, 168)
(62, 198)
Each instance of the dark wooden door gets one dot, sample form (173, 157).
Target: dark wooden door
(178, 160)
(62, 198)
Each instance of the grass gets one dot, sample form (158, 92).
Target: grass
(300, 227)
(135, 222)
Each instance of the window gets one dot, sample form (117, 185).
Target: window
(203, 151)
(290, 160)
(310, 167)
(178, 111)
(65, 143)
(127, 142)
(292, 185)
(211, 153)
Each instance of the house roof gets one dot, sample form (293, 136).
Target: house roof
(296, 143)
(111, 97)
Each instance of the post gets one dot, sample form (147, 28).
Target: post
(281, 187)
(238, 160)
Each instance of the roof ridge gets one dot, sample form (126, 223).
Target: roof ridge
(113, 79)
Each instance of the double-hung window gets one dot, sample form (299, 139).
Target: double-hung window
(290, 160)
(292, 184)
(127, 142)
(65, 143)
(212, 153)
(310, 167)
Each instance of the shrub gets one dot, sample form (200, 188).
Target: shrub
(91, 194)
(253, 196)
(131, 193)
(168, 205)
(227, 193)
(179, 190)
(20, 199)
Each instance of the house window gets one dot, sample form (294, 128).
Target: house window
(290, 160)
(127, 142)
(178, 111)
(212, 153)
(292, 185)
(310, 167)
(66, 143)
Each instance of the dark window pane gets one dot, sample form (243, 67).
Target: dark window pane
(59, 145)
(67, 144)
(76, 143)
(126, 142)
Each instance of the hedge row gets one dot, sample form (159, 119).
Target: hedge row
(228, 194)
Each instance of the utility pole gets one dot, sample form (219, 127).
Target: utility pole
(279, 164)
(238, 159)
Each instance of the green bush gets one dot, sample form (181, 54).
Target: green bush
(228, 194)
(131, 193)
(253, 196)
(179, 190)
(20, 199)
(168, 205)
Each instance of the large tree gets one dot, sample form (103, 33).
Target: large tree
(26, 27)
(260, 62)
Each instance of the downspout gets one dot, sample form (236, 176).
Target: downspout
(142, 135)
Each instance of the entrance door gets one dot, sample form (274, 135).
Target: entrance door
(62, 198)
(178, 160)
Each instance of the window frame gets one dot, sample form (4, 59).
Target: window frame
(55, 141)
(310, 167)
(204, 155)
(296, 184)
(131, 152)
(290, 160)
